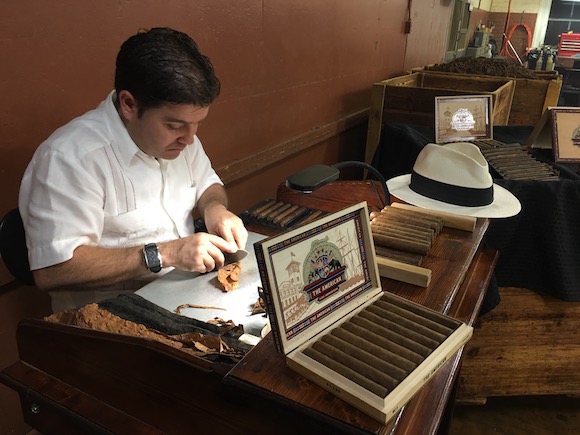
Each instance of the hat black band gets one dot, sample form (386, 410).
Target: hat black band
(458, 195)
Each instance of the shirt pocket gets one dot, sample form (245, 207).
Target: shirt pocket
(135, 227)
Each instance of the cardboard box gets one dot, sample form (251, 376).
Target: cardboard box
(336, 326)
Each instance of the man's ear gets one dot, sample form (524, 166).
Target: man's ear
(128, 107)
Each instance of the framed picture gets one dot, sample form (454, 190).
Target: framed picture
(566, 134)
(463, 118)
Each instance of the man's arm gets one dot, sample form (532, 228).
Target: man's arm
(93, 266)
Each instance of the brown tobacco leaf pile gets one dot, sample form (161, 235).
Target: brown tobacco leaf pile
(91, 316)
(229, 276)
(485, 66)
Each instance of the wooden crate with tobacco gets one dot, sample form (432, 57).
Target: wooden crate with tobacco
(534, 90)
(410, 99)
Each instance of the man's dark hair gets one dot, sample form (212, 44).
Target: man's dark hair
(162, 65)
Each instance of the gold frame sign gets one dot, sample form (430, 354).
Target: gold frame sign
(463, 118)
(566, 134)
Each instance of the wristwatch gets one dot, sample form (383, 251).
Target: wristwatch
(152, 257)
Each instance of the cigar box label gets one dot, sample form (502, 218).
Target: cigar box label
(316, 272)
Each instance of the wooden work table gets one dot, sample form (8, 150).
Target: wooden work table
(73, 379)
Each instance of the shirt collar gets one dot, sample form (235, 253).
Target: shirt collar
(125, 148)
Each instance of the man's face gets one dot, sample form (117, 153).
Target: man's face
(161, 132)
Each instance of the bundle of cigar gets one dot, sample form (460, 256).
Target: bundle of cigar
(514, 162)
(404, 235)
(383, 344)
(280, 215)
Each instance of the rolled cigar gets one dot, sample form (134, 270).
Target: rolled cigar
(384, 219)
(264, 210)
(346, 372)
(292, 216)
(391, 315)
(299, 218)
(499, 154)
(284, 214)
(417, 319)
(417, 222)
(277, 212)
(517, 163)
(401, 236)
(393, 374)
(391, 358)
(412, 232)
(373, 333)
(395, 337)
(411, 216)
(416, 247)
(315, 215)
(419, 309)
(398, 255)
(259, 208)
(401, 330)
(450, 220)
(524, 169)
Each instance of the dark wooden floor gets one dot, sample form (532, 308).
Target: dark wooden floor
(540, 415)
(520, 373)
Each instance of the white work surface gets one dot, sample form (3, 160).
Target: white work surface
(177, 288)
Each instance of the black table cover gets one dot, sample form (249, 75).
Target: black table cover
(540, 247)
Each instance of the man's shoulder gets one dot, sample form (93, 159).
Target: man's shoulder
(81, 135)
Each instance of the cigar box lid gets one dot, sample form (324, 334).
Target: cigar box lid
(316, 274)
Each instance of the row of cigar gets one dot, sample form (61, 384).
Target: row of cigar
(404, 235)
(381, 345)
(280, 215)
(514, 162)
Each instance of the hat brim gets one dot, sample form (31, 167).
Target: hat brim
(504, 204)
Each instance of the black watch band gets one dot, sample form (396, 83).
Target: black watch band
(152, 257)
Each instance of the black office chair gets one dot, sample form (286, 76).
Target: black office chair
(13, 247)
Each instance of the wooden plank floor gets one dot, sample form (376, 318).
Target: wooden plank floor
(531, 415)
(529, 345)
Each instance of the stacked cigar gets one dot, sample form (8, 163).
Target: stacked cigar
(404, 235)
(383, 344)
(514, 162)
(280, 215)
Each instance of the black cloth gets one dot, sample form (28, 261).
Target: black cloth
(540, 247)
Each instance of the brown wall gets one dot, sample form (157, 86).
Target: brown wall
(296, 78)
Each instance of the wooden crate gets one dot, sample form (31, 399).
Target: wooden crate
(531, 96)
(410, 99)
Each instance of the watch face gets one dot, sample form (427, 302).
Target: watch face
(152, 259)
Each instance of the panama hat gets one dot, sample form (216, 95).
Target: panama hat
(454, 178)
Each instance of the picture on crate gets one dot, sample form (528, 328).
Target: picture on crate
(463, 118)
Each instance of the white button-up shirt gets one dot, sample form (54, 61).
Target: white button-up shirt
(89, 184)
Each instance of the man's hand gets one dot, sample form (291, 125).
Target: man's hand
(201, 252)
(219, 220)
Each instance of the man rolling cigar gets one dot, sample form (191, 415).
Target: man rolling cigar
(108, 199)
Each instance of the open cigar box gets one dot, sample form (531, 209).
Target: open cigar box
(335, 325)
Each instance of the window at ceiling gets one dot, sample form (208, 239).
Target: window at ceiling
(564, 17)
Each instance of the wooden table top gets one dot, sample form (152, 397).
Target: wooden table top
(460, 274)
